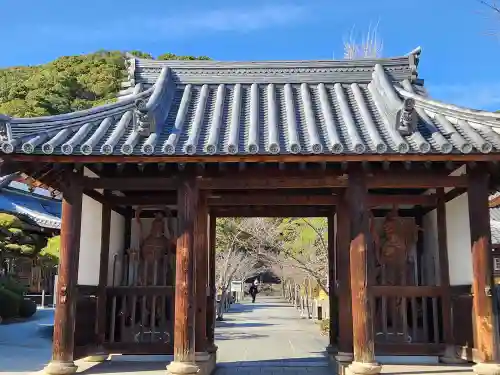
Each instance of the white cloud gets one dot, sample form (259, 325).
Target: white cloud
(181, 25)
(484, 96)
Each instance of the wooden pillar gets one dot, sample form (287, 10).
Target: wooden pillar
(211, 282)
(127, 232)
(360, 247)
(343, 278)
(482, 259)
(332, 292)
(444, 272)
(64, 318)
(185, 301)
(103, 271)
(201, 274)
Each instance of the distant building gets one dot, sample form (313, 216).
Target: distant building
(38, 208)
(495, 233)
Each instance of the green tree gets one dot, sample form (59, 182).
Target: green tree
(172, 56)
(50, 252)
(19, 238)
(67, 84)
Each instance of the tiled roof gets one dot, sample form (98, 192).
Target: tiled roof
(292, 107)
(43, 211)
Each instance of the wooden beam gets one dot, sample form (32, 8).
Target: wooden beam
(185, 301)
(125, 184)
(360, 248)
(482, 265)
(292, 211)
(64, 319)
(314, 200)
(262, 199)
(272, 211)
(283, 180)
(251, 158)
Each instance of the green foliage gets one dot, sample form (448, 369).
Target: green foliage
(67, 84)
(9, 304)
(304, 235)
(13, 285)
(27, 308)
(16, 238)
(172, 56)
(51, 251)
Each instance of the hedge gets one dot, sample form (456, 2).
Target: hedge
(10, 303)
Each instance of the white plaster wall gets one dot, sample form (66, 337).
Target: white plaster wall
(458, 236)
(116, 248)
(459, 246)
(90, 242)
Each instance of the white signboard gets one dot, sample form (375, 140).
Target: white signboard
(236, 286)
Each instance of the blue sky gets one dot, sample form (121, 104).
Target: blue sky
(459, 61)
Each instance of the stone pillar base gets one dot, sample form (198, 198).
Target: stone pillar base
(451, 356)
(361, 368)
(212, 350)
(60, 368)
(340, 360)
(486, 369)
(203, 361)
(182, 368)
(97, 358)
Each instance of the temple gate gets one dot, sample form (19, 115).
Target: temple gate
(403, 179)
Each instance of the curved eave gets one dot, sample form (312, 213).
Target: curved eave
(446, 109)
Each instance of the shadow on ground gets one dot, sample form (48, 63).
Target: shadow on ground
(237, 336)
(229, 323)
(26, 346)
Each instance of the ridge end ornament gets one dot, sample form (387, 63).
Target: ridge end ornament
(407, 118)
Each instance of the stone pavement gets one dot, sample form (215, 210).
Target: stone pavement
(267, 337)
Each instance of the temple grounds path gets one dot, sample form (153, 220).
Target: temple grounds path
(267, 337)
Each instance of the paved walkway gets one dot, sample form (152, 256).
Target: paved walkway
(26, 347)
(269, 337)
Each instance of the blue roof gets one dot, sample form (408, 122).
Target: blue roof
(45, 212)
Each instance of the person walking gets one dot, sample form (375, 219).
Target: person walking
(253, 291)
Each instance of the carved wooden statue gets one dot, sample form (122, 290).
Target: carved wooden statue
(156, 247)
(392, 250)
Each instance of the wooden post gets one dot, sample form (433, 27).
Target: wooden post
(201, 274)
(444, 278)
(332, 292)
(185, 308)
(211, 281)
(482, 261)
(344, 281)
(360, 247)
(103, 273)
(64, 318)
